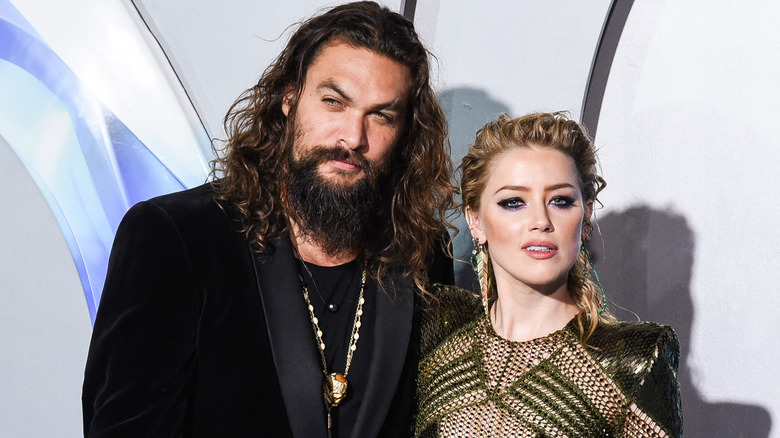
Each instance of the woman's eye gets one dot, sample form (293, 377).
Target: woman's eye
(511, 203)
(562, 201)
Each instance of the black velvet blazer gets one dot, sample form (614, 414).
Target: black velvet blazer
(196, 336)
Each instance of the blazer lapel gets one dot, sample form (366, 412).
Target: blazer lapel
(394, 313)
(295, 356)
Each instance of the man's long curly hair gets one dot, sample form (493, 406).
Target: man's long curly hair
(252, 167)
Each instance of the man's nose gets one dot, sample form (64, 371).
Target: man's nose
(353, 133)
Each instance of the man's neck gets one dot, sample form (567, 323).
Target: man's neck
(311, 251)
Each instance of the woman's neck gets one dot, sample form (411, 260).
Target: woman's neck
(522, 313)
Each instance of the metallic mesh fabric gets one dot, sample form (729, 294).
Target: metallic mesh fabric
(473, 383)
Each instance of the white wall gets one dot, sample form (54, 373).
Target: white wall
(221, 49)
(688, 131)
(690, 228)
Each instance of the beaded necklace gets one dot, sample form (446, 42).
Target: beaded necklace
(335, 385)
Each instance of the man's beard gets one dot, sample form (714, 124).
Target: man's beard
(337, 215)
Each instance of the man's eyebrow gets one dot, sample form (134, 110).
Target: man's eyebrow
(394, 105)
(333, 86)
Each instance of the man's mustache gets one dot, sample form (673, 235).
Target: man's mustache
(319, 154)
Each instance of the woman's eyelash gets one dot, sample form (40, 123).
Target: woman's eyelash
(562, 201)
(557, 201)
(511, 203)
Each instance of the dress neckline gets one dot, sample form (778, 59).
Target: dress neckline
(564, 332)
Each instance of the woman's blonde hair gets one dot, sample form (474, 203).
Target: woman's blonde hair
(548, 130)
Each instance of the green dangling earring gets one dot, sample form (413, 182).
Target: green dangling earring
(588, 268)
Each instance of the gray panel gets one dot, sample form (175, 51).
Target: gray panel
(602, 62)
(43, 313)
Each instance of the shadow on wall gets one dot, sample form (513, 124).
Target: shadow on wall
(467, 110)
(645, 259)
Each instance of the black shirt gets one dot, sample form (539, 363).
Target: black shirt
(334, 294)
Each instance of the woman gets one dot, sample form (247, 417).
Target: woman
(547, 358)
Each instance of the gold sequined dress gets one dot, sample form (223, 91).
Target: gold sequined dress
(473, 383)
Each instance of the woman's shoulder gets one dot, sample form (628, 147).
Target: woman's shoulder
(450, 310)
(453, 305)
(452, 297)
(632, 338)
(629, 350)
(632, 331)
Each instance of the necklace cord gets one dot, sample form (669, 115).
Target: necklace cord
(334, 386)
(356, 323)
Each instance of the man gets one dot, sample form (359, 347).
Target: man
(245, 307)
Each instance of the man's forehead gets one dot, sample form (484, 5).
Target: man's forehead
(348, 69)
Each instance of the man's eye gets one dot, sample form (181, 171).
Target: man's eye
(384, 117)
(331, 102)
(511, 203)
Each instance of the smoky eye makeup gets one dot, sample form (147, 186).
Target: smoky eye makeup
(562, 201)
(512, 203)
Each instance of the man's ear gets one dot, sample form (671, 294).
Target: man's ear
(475, 226)
(287, 100)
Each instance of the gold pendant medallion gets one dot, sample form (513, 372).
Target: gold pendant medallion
(335, 388)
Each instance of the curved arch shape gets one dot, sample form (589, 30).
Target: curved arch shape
(602, 62)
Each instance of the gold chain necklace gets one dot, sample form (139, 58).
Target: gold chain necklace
(335, 385)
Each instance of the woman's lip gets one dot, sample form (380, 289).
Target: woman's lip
(541, 243)
(540, 255)
(540, 250)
